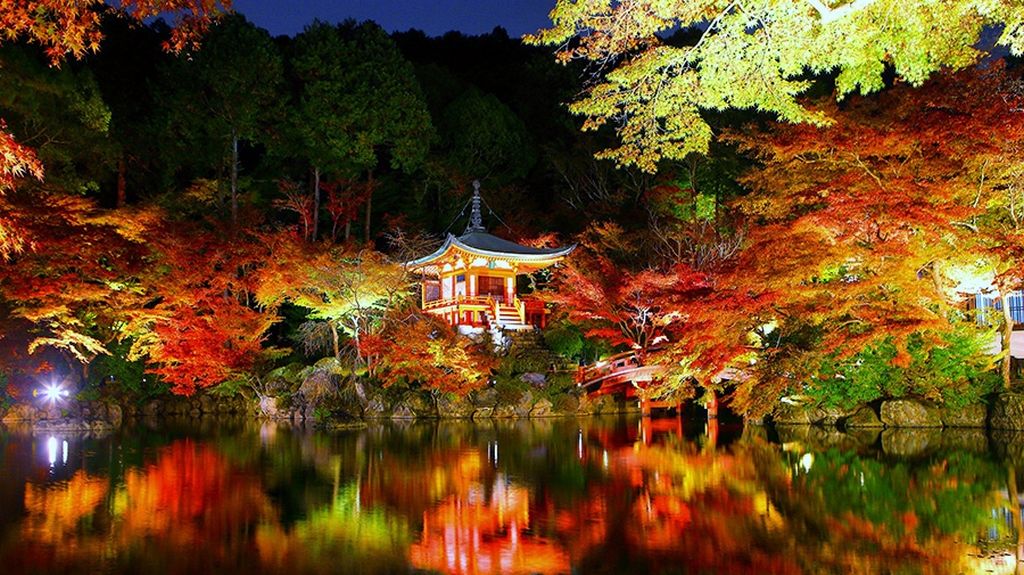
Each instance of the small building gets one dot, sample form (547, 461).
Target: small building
(470, 281)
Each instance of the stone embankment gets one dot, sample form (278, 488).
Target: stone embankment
(1005, 411)
(106, 415)
(908, 427)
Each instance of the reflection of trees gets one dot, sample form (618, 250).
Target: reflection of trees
(342, 537)
(849, 513)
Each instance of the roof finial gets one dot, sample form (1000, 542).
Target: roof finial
(476, 221)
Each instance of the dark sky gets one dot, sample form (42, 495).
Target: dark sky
(435, 17)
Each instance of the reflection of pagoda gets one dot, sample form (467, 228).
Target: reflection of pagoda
(470, 281)
(472, 533)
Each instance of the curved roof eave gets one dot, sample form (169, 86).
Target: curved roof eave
(452, 240)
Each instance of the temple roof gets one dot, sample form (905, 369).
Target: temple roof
(477, 241)
(487, 245)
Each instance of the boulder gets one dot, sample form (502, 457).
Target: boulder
(207, 404)
(375, 408)
(536, 379)
(451, 406)
(525, 404)
(403, 411)
(793, 414)
(829, 415)
(484, 397)
(1007, 411)
(482, 413)
(21, 412)
(114, 414)
(566, 404)
(274, 407)
(910, 413)
(152, 408)
(906, 442)
(541, 409)
(973, 415)
(864, 416)
(505, 412)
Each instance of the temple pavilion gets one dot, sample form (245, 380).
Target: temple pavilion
(470, 281)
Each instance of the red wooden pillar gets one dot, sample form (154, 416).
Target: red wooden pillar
(712, 405)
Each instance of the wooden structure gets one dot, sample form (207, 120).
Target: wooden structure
(625, 374)
(470, 281)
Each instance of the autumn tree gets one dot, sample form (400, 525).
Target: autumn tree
(426, 352)
(62, 29)
(654, 87)
(200, 325)
(860, 226)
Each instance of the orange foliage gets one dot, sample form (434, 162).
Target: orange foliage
(428, 352)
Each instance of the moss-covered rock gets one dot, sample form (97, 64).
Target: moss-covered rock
(864, 416)
(910, 413)
(971, 415)
(1007, 411)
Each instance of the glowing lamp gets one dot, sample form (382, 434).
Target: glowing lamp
(52, 392)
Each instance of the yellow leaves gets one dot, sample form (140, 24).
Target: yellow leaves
(751, 55)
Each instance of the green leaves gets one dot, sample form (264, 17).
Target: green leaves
(755, 55)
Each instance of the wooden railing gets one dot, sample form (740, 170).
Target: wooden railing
(476, 300)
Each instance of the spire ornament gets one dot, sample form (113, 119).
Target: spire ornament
(476, 220)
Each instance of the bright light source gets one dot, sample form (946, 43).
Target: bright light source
(53, 392)
(807, 461)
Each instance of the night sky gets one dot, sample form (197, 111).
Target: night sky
(435, 17)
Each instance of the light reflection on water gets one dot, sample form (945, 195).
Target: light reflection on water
(547, 496)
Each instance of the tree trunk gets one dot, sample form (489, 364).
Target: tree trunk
(316, 202)
(369, 205)
(122, 182)
(334, 340)
(1007, 338)
(348, 230)
(234, 180)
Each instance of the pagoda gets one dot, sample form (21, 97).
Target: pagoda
(470, 281)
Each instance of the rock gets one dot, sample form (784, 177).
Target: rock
(484, 397)
(1007, 411)
(375, 408)
(910, 413)
(525, 404)
(541, 409)
(70, 424)
(451, 406)
(20, 412)
(207, 404)
(505, 412)
(793, 414)
(177, 406)
(906, 442)
(973, 415)
(274, 407)
(152, 408)
(483, 413)
(403, 411)
(536, 379)
(864, 416)
(114, 414)
(566, 404)
(829, 415)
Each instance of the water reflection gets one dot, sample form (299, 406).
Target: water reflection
(552, 496)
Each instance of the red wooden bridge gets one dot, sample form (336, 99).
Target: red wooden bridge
(625, 374)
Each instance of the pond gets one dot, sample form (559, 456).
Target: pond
(616, 495)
